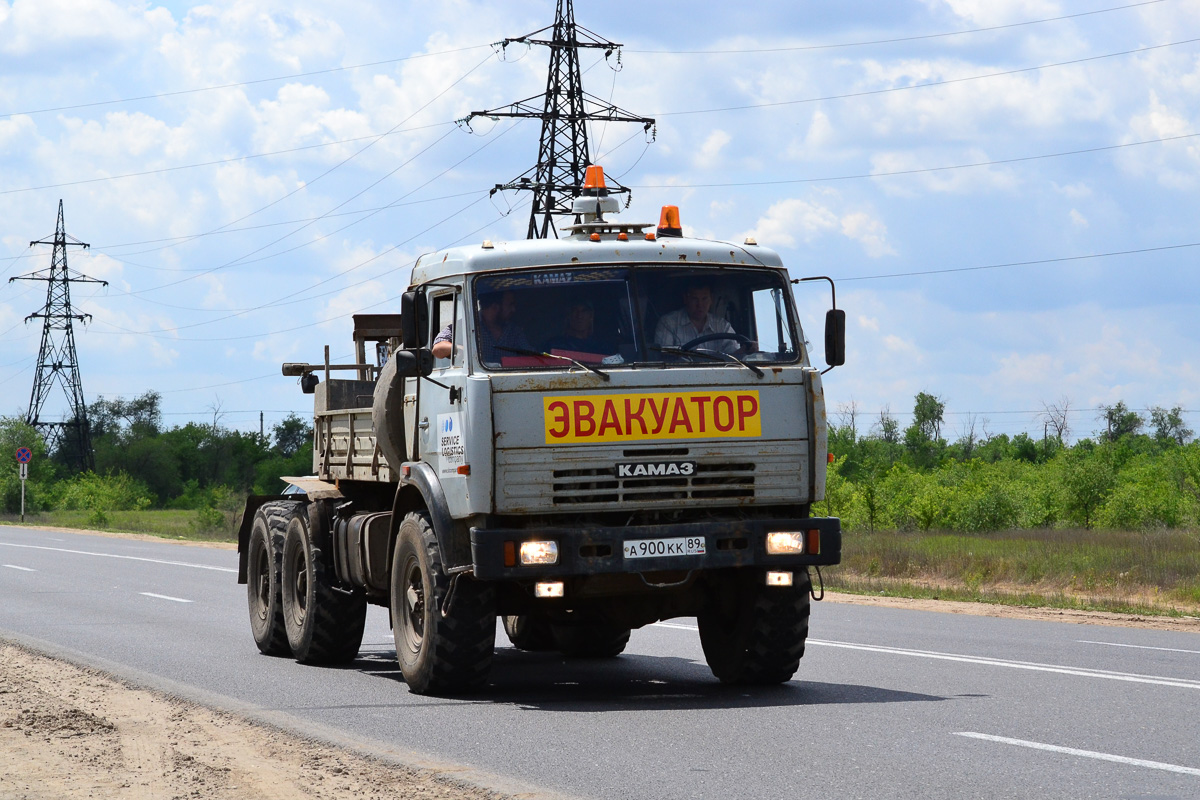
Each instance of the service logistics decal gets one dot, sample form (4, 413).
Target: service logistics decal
(451, 446)
(654, 415)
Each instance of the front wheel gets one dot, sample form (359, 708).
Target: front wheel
(753, 633)
(438, 654)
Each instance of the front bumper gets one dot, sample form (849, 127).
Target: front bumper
(595, 551)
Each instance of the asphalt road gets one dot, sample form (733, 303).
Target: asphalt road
(887, 703)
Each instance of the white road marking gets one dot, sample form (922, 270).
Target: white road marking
(23, 569)
(165, 597)
(1083, 672)
(1071, 751)
(113, 555)
(1139, 646)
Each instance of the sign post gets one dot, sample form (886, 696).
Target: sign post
(24, 454)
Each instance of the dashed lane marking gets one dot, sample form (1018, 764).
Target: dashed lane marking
(14, 566)
(164, 597)
(1071, 751)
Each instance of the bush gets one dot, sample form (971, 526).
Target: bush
(91, 492)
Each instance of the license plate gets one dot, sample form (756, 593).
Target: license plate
(665, 548)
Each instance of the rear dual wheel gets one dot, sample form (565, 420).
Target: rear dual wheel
(264, 563)
(324, 621)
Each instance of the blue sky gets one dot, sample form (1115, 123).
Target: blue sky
(239, 227)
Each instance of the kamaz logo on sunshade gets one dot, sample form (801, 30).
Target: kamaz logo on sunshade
(656, 469)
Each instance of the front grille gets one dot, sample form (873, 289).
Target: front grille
(601, 485)
(534, 480)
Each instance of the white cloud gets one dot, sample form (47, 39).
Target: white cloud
(989, 12)
(1078, 219)
(792, 221)
(869, 232)
(709, 154)
(1175, 164)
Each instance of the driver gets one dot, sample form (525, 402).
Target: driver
(677, 328)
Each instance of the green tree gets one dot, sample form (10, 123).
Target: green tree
(1119, 421)
(923, 439)
(1168, 426)
(1087, 478)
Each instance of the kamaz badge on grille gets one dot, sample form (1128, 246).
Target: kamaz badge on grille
(656, 469)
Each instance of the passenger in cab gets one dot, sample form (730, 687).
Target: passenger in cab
(579, 332)
(694, 320)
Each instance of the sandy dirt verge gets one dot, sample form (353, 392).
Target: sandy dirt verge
(69, 733)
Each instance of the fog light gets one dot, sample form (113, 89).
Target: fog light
(779, 579)
(781, 544)
(539, 552)
(555, 588)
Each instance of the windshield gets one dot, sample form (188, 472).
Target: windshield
(612, 316)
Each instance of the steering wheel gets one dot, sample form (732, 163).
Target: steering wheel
(712, 337)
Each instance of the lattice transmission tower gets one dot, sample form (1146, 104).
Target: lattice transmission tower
(564, 109)
(57, 361)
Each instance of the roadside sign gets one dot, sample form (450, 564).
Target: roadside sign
(24, 470)
(24, 454)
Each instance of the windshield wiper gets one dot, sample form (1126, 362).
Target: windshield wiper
(523, 352)
(679, 351)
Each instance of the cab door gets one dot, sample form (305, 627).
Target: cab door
(443, 433)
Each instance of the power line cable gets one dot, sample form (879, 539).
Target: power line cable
(916, 171)
(123, 331)
(757, 50)
(280, 301)
(1060, 260)
(930, 84)
(751, 50)
(322, 175)
(252, 82)
(219, 161)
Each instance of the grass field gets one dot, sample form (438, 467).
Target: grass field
(167, 523)
(1124, 571)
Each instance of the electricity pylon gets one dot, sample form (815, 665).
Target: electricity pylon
(565, 110)
(57, 362)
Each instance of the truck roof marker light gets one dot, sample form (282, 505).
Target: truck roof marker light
(487, 245)
(668, 222)
(651, 236)
(595, 237)
(622, 237)
(593, 181)
(751, 241)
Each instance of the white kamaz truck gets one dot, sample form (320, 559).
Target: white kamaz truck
(580, 436)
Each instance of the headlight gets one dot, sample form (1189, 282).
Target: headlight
(539, 552)
(785, 543)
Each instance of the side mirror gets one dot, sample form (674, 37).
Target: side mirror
(835, 337)
(413, 363)
(414, 320)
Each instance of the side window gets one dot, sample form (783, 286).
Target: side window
(442, 316)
